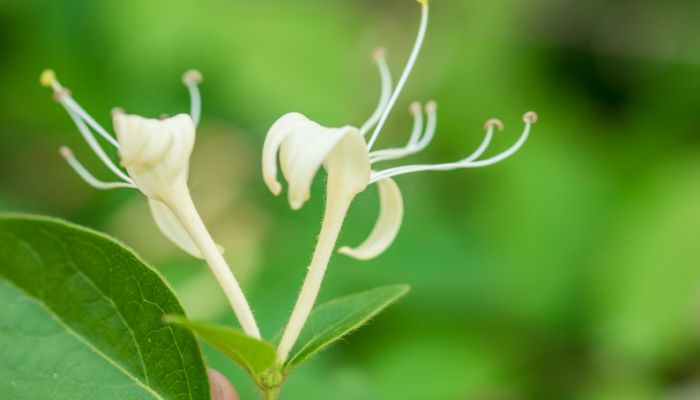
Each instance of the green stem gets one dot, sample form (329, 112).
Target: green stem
(271, 393)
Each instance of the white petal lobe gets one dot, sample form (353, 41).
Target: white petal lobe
(279, 131)
(172, 228)
(303, 147)
(387, 226)
(156, 153)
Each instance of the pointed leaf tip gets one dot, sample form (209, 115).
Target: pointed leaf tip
(335, 319)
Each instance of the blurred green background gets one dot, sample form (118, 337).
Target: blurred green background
(570, 271)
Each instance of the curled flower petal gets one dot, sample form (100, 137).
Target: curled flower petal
(387, 226)
(304, 146)
(148, 142)
(173, 229)
(275, 136)
(155, 152)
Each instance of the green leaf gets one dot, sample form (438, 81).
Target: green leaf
(81, 317)
(255, 356)
(337, 318)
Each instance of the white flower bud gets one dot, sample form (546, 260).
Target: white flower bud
(155, 152)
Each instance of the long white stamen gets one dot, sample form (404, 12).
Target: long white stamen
(385, 76)
(406, 72)
(393, 153)
(418, 123)
(62, 95)
(67, 154)
(72, 105)
(489, 125)
(417, 142)
(431, 112)
(95, 146)
(529, 118)
(192, 78)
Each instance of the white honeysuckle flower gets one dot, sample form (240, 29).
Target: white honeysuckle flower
(156, 155)
(302, 146)
(154, 152)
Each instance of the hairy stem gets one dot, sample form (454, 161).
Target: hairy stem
(186, 212)
(337, 203)
(271, 393)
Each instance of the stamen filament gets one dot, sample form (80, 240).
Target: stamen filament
(416, 110)
(417, 142)
(95, 146)
(529, 118)
(71, 105)
(393, 153)
(431, 112)
(385, 76)
(192, 78)
(404, 76)
(48, 79)
(490, 124)
(79, 169)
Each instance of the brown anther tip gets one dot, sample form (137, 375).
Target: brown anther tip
(415, 107)
(494, 122)
(65, 152)
(163, 116)
(61, 93)
(117, 111)
(378, 53)
(530, 117)
(192, 76)
(430, 106)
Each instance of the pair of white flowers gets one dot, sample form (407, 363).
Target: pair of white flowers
(156, 152)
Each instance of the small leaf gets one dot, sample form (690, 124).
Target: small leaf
(81, 318)
(255, 356)
(337, 318)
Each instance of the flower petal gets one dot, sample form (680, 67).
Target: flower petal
(156, 153)
(304, 146)
(173, 229)
(348, 164)
(275, 136)
(146, 142)
(387, 226)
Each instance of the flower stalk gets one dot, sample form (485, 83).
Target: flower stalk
(184, 209)
(337, 204)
